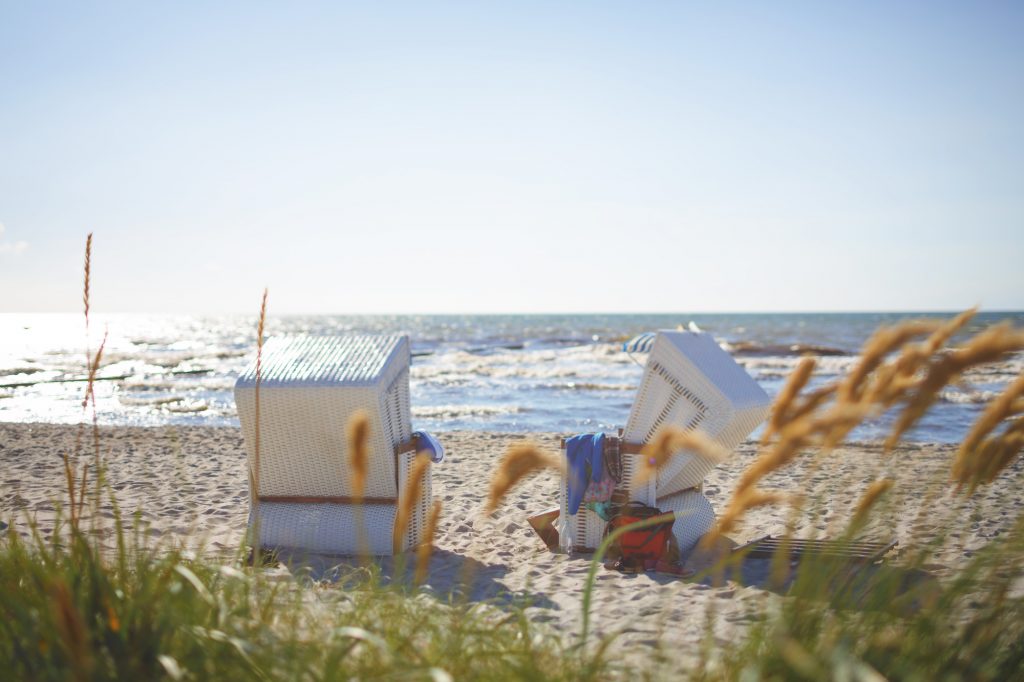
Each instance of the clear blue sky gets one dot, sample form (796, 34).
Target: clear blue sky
(530, 157)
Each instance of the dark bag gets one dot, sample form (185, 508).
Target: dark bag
(646, 544)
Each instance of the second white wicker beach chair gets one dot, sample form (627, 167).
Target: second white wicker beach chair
(691, 383)
(300, 476)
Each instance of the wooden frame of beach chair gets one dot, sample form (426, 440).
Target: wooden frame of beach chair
(691, 383)
(309, 388)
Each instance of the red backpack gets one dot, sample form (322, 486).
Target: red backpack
(645, 544)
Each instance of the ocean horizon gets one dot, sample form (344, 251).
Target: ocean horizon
(486, 372)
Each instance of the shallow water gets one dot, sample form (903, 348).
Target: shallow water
(514, 373)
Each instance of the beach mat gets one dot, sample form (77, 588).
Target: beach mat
(856, 551)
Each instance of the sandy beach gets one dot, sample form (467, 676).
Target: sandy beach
(189, 485)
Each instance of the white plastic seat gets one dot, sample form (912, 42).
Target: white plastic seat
(310, 386)
(691, 383)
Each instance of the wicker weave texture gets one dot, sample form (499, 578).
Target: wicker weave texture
(694, 517)
(303, 447)
(333, 528)
(303, 360)
(325, 528)
(691, 383)
(309, 388)
(418, 517)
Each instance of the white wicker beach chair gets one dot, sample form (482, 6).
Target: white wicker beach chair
(694, 517)
(309, 387)
(688, 382)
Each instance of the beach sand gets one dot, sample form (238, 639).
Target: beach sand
(190, 484)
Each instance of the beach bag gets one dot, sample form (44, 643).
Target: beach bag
(644, 544)
(600, 491)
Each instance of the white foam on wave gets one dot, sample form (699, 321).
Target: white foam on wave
(962, 396)
(459, 367)
(591, 386)
(776, 366)
(154, 401)
(455, 411)
(187, 406)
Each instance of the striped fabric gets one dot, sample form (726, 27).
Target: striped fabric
(641, 343)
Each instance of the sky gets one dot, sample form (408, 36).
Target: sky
(512, 157)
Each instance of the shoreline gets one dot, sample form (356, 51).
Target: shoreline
(190, 483)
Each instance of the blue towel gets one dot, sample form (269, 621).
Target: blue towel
(427, 443)
(585, 455)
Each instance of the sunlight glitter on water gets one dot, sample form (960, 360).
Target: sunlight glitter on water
(496, 373)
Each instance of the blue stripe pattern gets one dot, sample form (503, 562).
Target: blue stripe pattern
(640, 344)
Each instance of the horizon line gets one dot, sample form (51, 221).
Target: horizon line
(892, 311)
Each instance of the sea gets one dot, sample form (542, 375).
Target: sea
(501, 373)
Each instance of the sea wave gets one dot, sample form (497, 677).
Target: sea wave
(458, 411)
(154, 401)
(782, 366)
(472, 372)
(18, 371)
(188, 406)
(754, 348)
(589, 386)
(960, 396)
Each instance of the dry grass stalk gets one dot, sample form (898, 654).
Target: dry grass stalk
(254, 474)
(811, 402)
(1004, 406)
(985, 460)
(83, 487)
(410, 497)
(1000, 453)
(793, 438)
(896, 378)
(784, 402)
(802, 422)
(259, 376)
(870, 497)
(519, 461)
(85, 288)
(988, 346)
(670, 440)
(915, 377)
(836, 424)
(426, 548)
(90, 397)
(358, 432)
(92, 366)
(738, 507)
(878, 347)
(944, 333)
(914, 353)
(72, 629)
(69, 478)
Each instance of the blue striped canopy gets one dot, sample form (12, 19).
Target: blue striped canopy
(641, 343)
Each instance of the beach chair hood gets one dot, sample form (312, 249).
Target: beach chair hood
(691, 383)
(309, 387)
